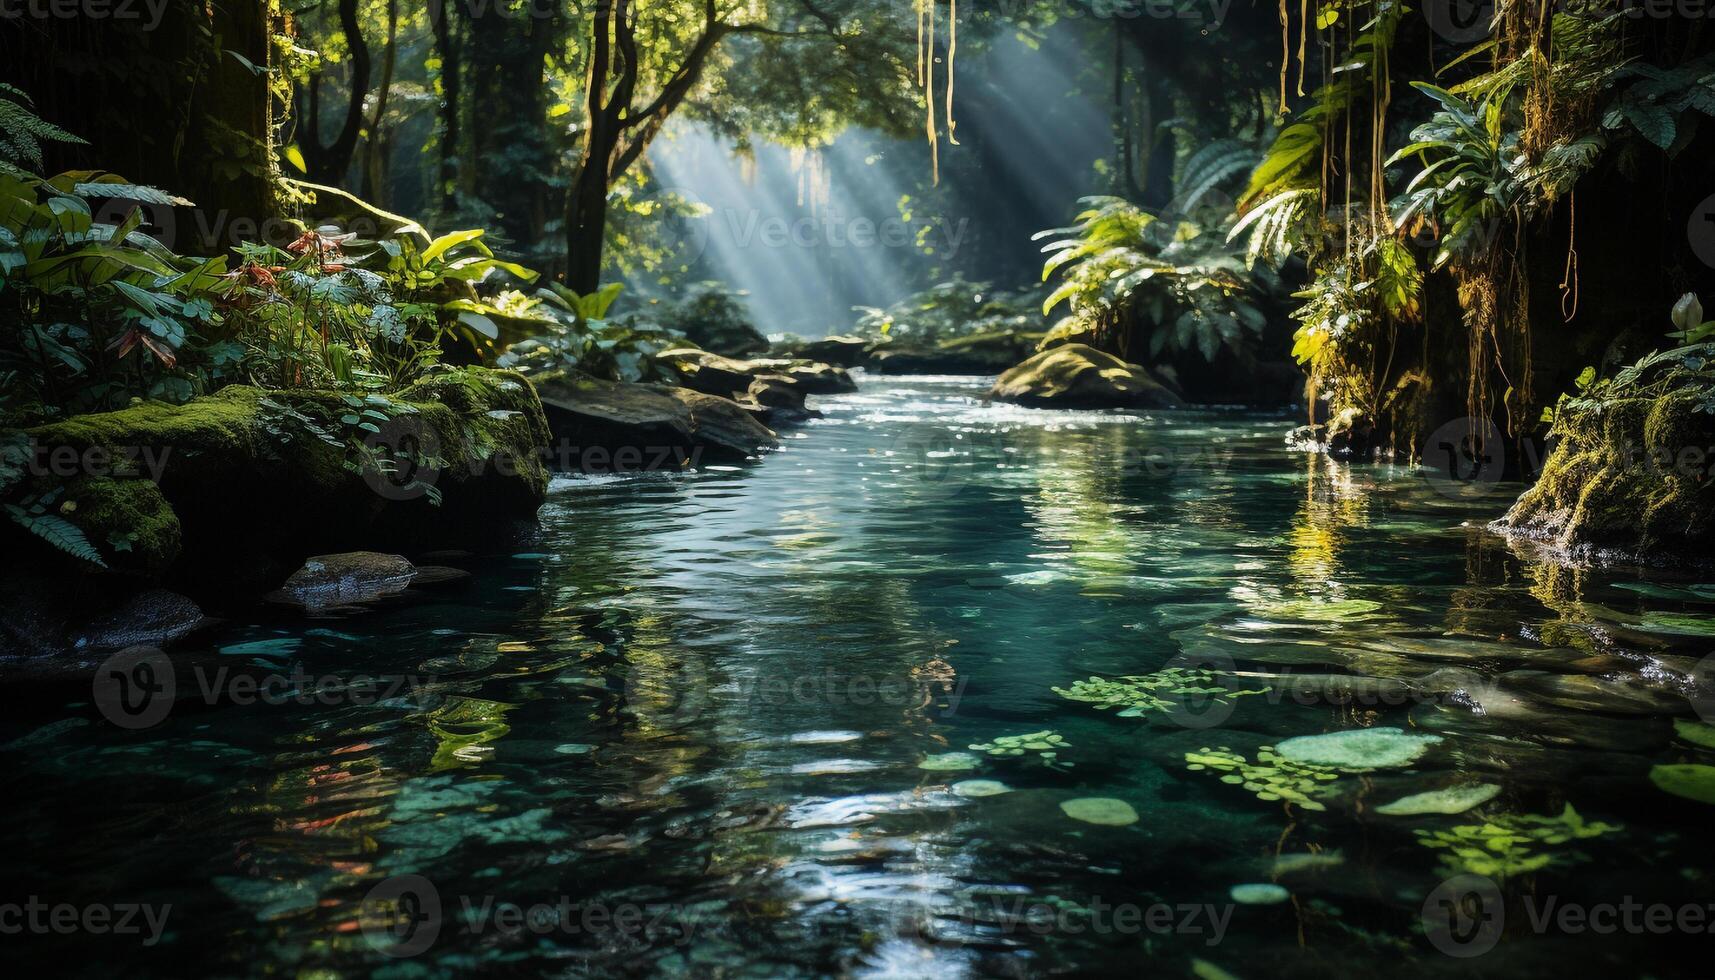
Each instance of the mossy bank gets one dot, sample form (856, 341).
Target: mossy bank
(229, 492)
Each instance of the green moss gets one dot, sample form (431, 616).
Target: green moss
(128, 520)
(246, 472)
(1629, 477)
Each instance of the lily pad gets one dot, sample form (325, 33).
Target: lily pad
(1453, 799)
(1259, 893)
(975, 788)
(1102, 810)
(1696, 732)
(1690, 781)
(1358, 750)
(949, 762)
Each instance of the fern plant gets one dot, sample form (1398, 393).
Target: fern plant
(22, 132)
(1181, 283)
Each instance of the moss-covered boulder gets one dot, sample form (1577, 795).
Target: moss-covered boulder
(1629, 479)
(1079, 376)
(728, 377)
(236, 488)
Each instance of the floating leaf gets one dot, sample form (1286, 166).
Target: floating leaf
(1690, 781)
(1696, 732)
(975, 788)
(950, 762)
(1258, 893)
(1453, 799)
(1358, 750)
(1102, 810)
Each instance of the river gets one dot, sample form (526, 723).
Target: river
(741, 721)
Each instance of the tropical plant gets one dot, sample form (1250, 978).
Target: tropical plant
(948, 311)
(1178, 280)
(575, 334)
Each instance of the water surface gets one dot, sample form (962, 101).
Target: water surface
(686, 729)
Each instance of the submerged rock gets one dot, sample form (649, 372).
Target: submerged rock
(1077, 376)
(348, 578)
(1628, 482)
(63, 617)
(606, 426)
(153, 617)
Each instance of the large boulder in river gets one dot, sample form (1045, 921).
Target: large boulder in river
(846, 352)
(716, 375)
(1628, 480)
(603, 426)
(223, 494)
(1079, 376)
(989, 352)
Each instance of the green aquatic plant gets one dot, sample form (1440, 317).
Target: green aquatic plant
(1259, 893)
(1103, 810)
(1317, 610)
(976, 788)
(1162, 691)
(1512, 844)
(1270, 778)
(1698, 733)
(1452, 799)
(1693, 782)
(1678, 624)
(1358, 750)
(950, 762)
(1046, 744)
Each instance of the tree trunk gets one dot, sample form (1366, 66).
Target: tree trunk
(446, 45)
(375, 146)
(586, 227)
(328, 164)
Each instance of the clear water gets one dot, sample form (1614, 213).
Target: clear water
(688, 725)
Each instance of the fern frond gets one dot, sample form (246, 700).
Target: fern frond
(58, 532)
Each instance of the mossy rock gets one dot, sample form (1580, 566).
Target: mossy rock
(128, 520)
(1079, 376)
(1630, 481)
(244, 489)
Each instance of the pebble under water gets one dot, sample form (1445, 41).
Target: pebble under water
(940, 689)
